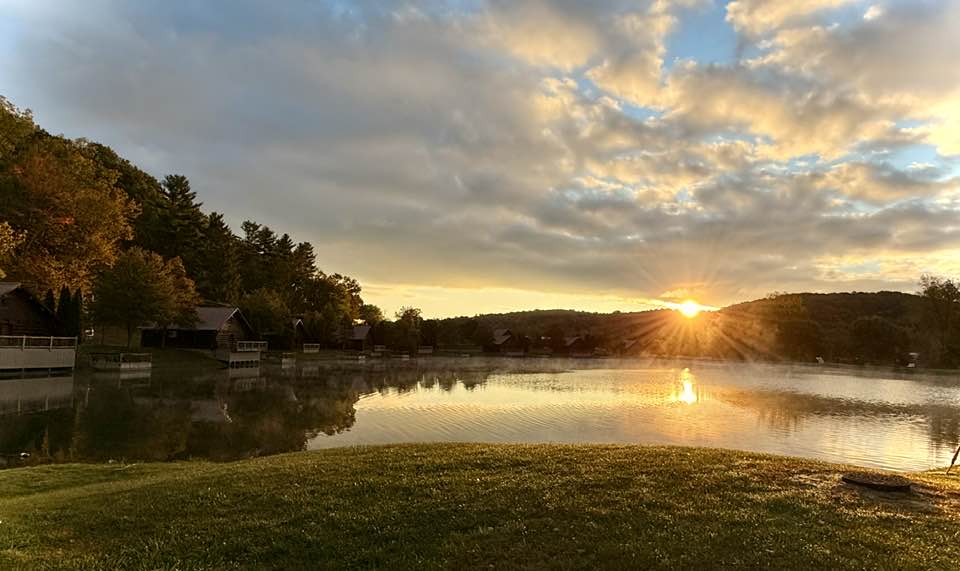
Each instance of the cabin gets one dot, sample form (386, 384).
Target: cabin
(577, 346)
(216, 328)
(223, 330)
(629, 347)
(359, 338)
(30, 333)
(505, 342)
(23, 314)
(290, 338)
(298, 332)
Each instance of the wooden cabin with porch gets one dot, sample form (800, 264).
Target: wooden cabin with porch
(359, 338)
(291, 338)
(30, 335)
(222, 330)
(507, 343)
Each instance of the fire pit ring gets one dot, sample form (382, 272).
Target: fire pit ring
(878, 481)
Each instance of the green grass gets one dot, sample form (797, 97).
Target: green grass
(473, 506)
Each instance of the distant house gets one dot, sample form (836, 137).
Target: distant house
(291, 338)
(23, 314)
(29, 333)
(629, 347)
(299, 332)
(506, 342)
(577, 346)
(217, 329)
(359, 338)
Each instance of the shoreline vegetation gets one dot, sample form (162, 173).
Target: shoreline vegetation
(175, 358)
(473, 506)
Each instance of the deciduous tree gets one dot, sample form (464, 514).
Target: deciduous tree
(70, 215)
(943, 312)
(142, 287)
(8, 241)
(371, 314)
(265, 310)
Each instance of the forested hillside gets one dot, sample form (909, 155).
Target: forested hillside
(76, 217)
(881, 328)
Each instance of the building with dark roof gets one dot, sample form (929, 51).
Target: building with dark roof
(217, 328)
(23, 314)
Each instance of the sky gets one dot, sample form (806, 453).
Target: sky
(471, 156)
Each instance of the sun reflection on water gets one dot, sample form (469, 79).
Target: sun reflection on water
(686, 394)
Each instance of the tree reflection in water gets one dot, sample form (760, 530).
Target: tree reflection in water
(215, 416)
(232, 414)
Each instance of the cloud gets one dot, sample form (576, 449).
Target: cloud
(903, 56)
(756, 17)
(542, 33)
(631, 70)
(439, 148)
(797, 116)
(883, 183)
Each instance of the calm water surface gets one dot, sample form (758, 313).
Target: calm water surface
(867, 417)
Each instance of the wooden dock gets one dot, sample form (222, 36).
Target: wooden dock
(23, 352)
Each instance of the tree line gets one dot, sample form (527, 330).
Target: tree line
(76, 217)
(102, 241)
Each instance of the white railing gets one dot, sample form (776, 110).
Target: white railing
(251, 346)
(24, 342)
(105, 361)
(28, 352)
(122, 357)
(311, 347)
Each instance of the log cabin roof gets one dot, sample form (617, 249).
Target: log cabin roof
(7, 287)
(214, 318)
(360, 332)
(210, 319)
(501, 336)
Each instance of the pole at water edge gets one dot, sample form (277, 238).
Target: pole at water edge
(954, 461)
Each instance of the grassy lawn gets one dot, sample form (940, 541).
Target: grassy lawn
(474, 506)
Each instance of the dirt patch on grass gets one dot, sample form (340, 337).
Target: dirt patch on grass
(921, 499)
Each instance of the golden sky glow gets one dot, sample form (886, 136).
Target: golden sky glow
(496, 156)
(690, 309)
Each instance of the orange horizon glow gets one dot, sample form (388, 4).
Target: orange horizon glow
(690, 308)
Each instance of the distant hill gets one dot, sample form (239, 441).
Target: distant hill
(880, 327)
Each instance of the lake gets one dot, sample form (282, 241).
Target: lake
(872, 418)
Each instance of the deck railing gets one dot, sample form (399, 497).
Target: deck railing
(24, 342)
(251, 346)
(311, 347)
(30, 352)
(122, 357)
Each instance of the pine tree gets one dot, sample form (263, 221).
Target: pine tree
(182, 223)
(76, 314)
(50, 301)
(64, 310)
(218, 278)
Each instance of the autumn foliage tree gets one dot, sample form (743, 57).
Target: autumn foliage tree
(63, 206)
(8, 242)
(142, 287)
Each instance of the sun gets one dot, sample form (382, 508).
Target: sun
(690, 309)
